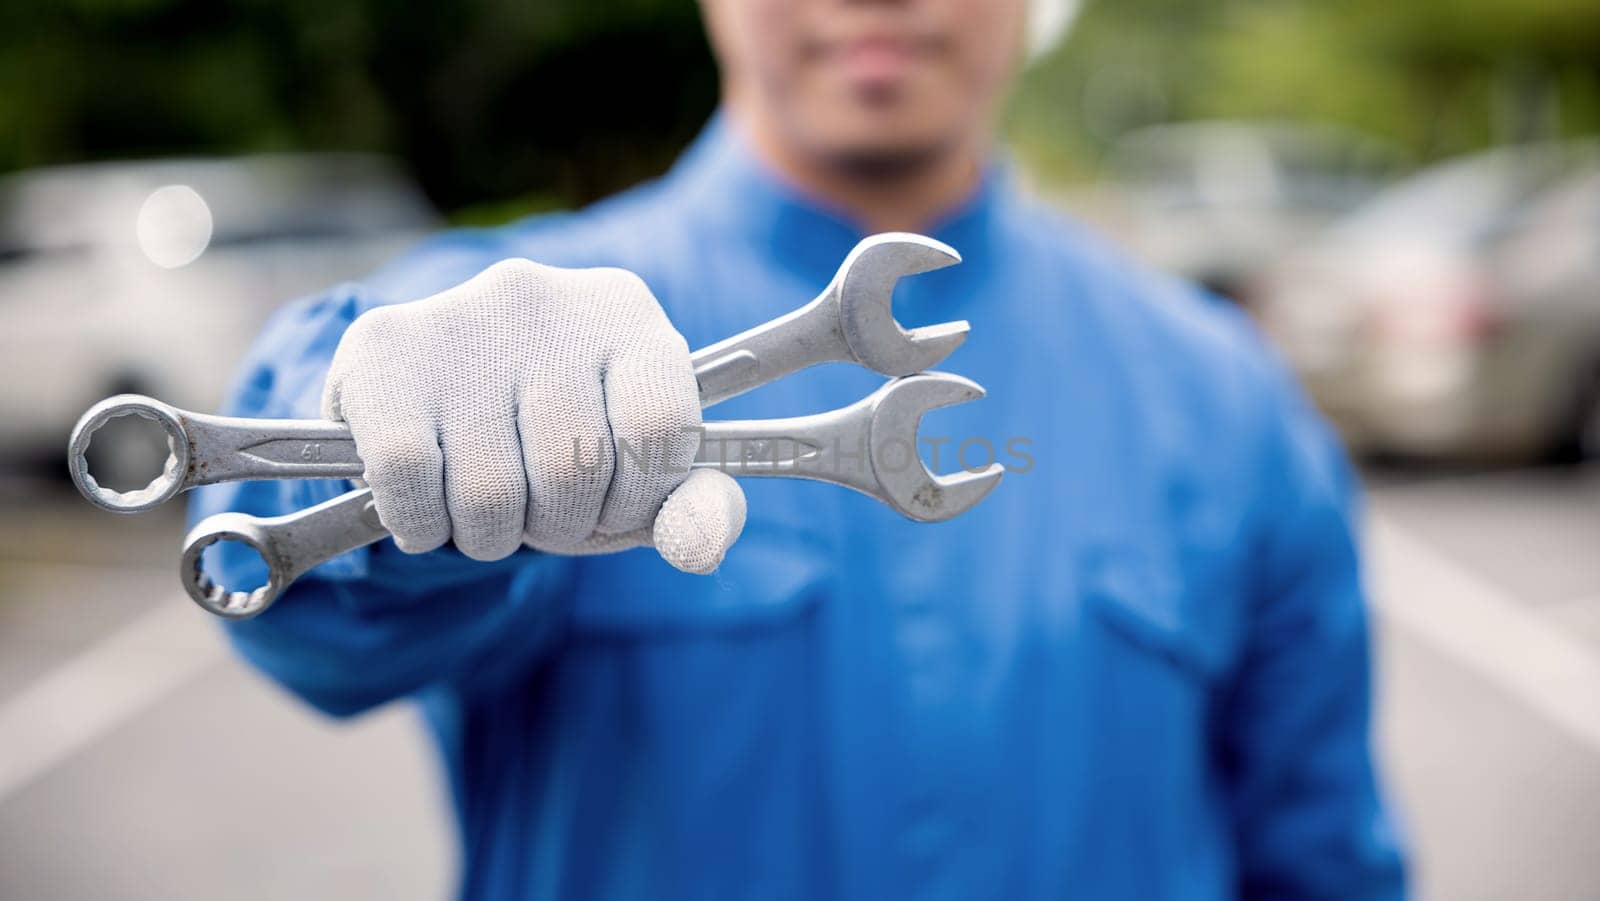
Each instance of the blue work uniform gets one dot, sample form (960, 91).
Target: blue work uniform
(1139, 669)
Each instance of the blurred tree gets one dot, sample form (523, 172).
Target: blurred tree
(560, 99)
(1436, 76)
(556, 102)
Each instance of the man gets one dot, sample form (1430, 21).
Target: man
(1137, 670)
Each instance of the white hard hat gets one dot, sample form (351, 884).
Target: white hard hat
(1048, 21)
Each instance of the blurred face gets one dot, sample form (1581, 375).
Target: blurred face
(867, 83)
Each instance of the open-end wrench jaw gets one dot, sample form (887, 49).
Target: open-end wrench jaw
(864, 291)
(906, 484)
(869, 446)
(851, 321)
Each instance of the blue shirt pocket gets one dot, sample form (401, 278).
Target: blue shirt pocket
(1191, 622)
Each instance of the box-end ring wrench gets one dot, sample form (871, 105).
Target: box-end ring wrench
(850, 321)
(869, 446)
(203, 449)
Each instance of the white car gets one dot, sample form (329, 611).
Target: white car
(1218, 202)
(154, 277)
(1458, 315)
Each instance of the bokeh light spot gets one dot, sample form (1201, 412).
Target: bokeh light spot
(174, 226)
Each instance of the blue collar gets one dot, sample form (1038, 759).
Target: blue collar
(721, 180)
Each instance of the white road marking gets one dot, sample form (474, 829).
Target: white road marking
(105, 685)
(1415, 587)
(1483, 629)
(1578, 603)
(50, 568)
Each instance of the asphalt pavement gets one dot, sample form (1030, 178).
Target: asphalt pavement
(138, 760)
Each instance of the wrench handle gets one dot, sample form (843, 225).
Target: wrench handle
(770, 351)
(231, 449)
(831, 447)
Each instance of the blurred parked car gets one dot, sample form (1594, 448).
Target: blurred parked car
(1217, 202)
(154, 276)
(1457, 315)
(1549, 274)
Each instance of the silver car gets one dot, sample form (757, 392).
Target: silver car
(155, 276)
(1218, 202)
(1548, 272)
(1457, 315)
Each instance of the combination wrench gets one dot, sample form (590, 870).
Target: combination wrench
(869, 446)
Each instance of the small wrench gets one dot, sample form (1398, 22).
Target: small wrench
(869, 446)
(850, 321)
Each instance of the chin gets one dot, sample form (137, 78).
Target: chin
(875, 136)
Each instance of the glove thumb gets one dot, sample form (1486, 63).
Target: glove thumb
(700, 520)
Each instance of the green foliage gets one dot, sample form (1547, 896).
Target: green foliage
(1437, 77)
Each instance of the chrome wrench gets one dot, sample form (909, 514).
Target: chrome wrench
(851, 321)
(869, 446)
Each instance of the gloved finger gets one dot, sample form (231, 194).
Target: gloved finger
(405, 470)
(653, 409)
(485, 488)
(566, 453)
(332, 391)
(700, 521)
(352, 358)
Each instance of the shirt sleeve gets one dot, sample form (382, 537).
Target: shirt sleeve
(1296, 718)
(375, 624)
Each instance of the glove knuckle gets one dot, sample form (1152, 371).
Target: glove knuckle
(566, 476)
(518, 267)
(484, 501)
(627, 290)
(660, 428)
(375, 326)
(665, 353)
(518, 273)
(403, 465)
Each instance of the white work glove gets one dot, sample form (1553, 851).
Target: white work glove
(515, 407)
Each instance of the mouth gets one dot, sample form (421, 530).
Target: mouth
(880, 59)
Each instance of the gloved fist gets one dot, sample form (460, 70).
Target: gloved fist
(530, 404)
